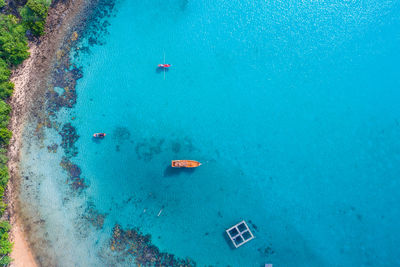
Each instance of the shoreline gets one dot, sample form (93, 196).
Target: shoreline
(21, 253)
(30, 80)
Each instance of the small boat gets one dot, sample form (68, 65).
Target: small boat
(164, 66)
(99, 135)
(185, 164)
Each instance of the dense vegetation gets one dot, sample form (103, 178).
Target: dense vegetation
(13, 50)
(34, 15)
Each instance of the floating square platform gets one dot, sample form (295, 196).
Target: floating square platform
(240, 234)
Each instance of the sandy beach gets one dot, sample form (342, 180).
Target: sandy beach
(30, 84)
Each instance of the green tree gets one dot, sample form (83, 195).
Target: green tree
(4, 71)
(5, 136)
(4, 176)
(3, 205)
(4, 115)
(13, 43)
(34, 15)
(5, 245)
(6, 87)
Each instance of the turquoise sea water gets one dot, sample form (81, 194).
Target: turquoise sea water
(293, 107)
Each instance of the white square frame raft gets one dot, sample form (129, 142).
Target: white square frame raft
(240, 234)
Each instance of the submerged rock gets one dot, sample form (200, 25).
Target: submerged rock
(74, 36)
(52, 148)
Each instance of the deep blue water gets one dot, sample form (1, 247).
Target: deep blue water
(293, 107)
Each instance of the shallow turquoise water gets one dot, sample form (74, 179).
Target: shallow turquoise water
(292, 107)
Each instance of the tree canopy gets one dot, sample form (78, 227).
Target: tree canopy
(13, 43)
(34, 15)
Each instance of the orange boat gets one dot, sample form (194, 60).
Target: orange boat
(185, 164)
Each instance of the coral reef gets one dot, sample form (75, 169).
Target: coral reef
(132, 242)
(94, 217)
(69, 137)
(52, 148)
(74, 172)
(147, 149)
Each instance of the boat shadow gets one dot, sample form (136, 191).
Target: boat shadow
(97, 140)
(160, 70)
(169, 171)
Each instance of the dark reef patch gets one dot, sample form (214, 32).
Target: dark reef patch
(52, 148)
(76, 182)
(268, 251)
(188, 144)
(182, 145)
(133, 243)
(56, 101)
(94, 26)
(94, 217)
(253, 225)
(64, 76)
(175, 147)
(147, 149)
(73, 170)
(68, 139)
(121, 134)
